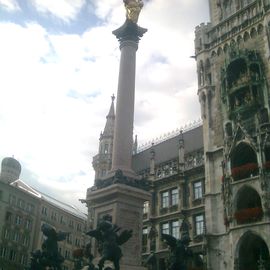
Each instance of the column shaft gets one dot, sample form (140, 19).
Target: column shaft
(123, 131)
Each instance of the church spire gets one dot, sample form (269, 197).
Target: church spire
(102, 161)
(109, 127)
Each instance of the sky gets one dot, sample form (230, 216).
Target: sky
(59, 65)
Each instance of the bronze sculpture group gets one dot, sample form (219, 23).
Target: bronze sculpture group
(48, 256)
(109, 239)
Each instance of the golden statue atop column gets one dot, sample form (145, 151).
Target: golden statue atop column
(133, 9)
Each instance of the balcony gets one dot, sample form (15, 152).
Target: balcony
(245, 171)
(248, 215)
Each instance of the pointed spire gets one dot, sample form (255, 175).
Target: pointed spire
(152, 160)
(109, 127)
(111, 111)
(181, 152)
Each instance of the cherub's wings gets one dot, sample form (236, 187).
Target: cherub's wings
(169, 240)
(124, 236)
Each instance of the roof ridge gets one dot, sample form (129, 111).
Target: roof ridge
(166, 136)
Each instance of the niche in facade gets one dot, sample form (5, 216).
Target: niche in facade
(248, 206)
(242, 86)
(243, 162)
(253, 252)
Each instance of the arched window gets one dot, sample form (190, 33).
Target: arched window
(243, 162)
(253, 252)
(246, 36)
(201, 74)
(253, 33)
(248, 206)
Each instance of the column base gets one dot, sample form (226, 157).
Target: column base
(125, 204)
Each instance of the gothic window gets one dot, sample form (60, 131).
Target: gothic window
(199, 224)
(165, 229)
(242, 89)
(248, 206)
(172, 228)
(169, 198)
(175, 229)
(197, 190)
(201, 74)
(165, 199)
(246, 36)
(144, 239)
(243, 162)
(252, 252)
(174, 196)
(253, 33)
(146, 207)
(106, 149)
(260, 29)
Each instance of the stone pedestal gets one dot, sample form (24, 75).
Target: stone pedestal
(125, 204)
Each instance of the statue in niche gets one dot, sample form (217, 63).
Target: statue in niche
(133, 9)
(109, 241)
(49, 256)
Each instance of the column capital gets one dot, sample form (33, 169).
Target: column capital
(129, 31)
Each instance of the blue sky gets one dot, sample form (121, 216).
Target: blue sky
(59, 67)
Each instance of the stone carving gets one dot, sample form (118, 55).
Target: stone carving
(119, 178)
(49, 255)
(133, 9)
(109, 241)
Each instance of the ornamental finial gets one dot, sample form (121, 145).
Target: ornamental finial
(133, 9)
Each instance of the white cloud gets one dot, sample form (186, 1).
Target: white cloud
(9, 5)
(57, 87)
(64, 9)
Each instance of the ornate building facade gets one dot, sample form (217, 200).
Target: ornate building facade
(23, 210)
(232, 54)
(174, 167)
(216, 175)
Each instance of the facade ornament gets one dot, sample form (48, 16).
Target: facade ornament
(49, 255)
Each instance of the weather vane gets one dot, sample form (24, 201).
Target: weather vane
(133, 9)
